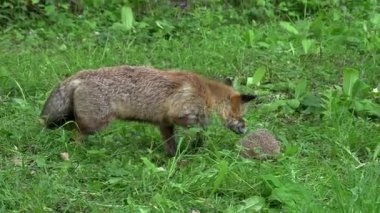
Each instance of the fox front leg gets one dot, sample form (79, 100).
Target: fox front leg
(198, 140)
(167, 134)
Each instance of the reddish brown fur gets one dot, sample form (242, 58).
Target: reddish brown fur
(166, 98)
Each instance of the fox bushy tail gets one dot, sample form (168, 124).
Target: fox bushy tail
(58, 108)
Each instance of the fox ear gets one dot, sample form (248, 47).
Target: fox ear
(247, 98)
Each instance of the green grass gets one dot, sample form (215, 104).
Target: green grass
(326, 165)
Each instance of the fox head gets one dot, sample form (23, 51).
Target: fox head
(232, 110)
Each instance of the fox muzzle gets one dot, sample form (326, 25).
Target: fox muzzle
(237, 126)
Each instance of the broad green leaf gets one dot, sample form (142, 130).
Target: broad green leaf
(272, 180)
(159, 24)
(337, 15)
(376, 20)
(158, 198)
(311, 100)
(164, 25)
(35, 1)
(367, 106)
(96, 3)
(4, 78)
(258, 76)
(96, 152)
(250, 37)
(222, 173)
(273, 106)
(249, 81)
(49, 9)
(317, 27)
(300, 88)
(148, 164)
(91, 24)
(263, 44)
(291, 150)
(350, 76)
(252, 204)
(127, 17)
(142, 210)
(62, 47)
(360, 89)
(114, 180)
(306, 44)
(40, 161)
(261, 3)
(289, 27)
(293, 195)
(376, 153)
(293, 103)
(236, 83)
(118, 26)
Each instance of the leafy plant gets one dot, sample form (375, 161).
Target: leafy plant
(301, 98)
(291, 196)
(355, 96)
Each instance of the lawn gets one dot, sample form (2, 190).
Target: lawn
(318, 94)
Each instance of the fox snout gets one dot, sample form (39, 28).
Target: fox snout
(237, 126)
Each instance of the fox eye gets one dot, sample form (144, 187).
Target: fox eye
(247, 98)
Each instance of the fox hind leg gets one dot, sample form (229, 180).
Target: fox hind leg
(91, 110)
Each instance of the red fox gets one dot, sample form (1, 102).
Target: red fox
(93, 98)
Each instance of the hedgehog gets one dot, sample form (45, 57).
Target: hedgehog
(260, 144)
